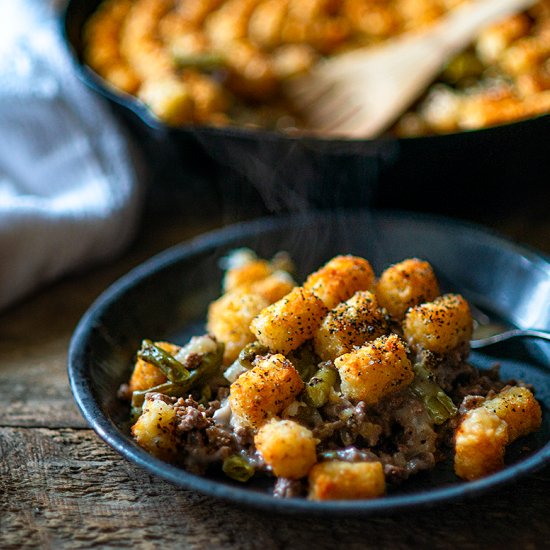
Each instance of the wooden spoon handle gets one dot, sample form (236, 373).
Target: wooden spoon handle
(457, 30)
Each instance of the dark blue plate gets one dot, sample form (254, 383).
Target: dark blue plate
(167, 297)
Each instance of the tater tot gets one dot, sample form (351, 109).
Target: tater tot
(258, 44)
(264, 26)
(264, 391)
(229, 320)
(274, 287)
(480, 443)
(251, 71)
(441, 325)
(169, 99)
(406, 284)
(338, 480)
(155, 428)
(377, 369)
(349, 324)
(340, 278)
(122, 77)
(293, 59)
(244, 275)
(209, 97)
(518, 408)
(257, 276)
(147, 375)
(289, 322)
(287, 447)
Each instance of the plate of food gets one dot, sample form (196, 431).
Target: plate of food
(321, 363)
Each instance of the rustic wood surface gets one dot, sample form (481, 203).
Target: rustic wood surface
(61, 486)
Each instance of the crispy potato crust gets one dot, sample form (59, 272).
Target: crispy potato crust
(340, 278)
(519, 409)
(337, 480)
(406, 284)
(289, 322)
(287, 447)
(154, 430)
(349, 324)
(274, 287)
(377, 369)
(264, 391)
(441, 325)
(480, 443)
(243, 276)
(229, 319)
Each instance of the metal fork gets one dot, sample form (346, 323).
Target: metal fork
(479, 343)
(488, 329)
(488, 332)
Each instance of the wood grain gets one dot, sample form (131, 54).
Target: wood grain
(62, 487)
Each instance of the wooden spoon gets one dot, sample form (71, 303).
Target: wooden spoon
(360, 93)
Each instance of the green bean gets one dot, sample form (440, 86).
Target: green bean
(308, 416)
(203, 61)
(304, 361)
(249, 353)
(167, 363)
(238, 467)
(168, 388)
(438, 404)
(462, 67)
(208, 367)
(206, 394)
(317, 390)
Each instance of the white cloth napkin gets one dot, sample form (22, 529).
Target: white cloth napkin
(69, 194)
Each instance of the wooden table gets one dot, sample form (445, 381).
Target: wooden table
(61, 486)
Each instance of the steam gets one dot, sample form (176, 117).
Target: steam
(297, 175)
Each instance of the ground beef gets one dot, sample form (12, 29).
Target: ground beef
(199, 441)
(398, 431)
(193, 415)
(480, 384)
(155, 396)
(326, 431)
(449, 367)
(193, 360)
(244, 436)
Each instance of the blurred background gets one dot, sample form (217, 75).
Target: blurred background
(203, 109)
(120, 114)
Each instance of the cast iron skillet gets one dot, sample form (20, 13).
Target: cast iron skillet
(167, 298)
(457, 173)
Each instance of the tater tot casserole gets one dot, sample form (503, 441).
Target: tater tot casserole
(339, 389)
(222, 62)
